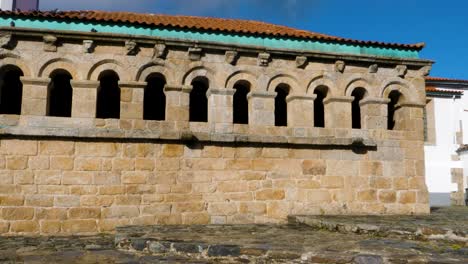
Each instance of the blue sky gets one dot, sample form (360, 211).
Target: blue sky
(442, 25)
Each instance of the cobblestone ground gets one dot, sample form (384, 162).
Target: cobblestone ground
(238, 244)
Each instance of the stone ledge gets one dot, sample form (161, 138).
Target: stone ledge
(438, 226)
(113, 129)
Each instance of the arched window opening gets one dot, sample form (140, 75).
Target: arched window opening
(108, 96)
(11, 90)
(241, 105)
(394, 97)
(154, 101)
(198, 100)
(281, 107)
(319, 108)
(60, 94)
(358, 95)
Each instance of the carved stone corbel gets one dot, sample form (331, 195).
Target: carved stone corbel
(88, 46)
(194, 53)
(231, 57)
(340, 66)
(425, 70)
(263, 59)
(6, 41)
(131, 47)
(301, 61)
(373, 68)
(50, 43)
(159, 51)
(401, 70)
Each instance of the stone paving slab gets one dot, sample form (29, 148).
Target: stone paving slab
(280, 244)
(448, 224)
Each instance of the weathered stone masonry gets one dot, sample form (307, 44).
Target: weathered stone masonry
(82, 174)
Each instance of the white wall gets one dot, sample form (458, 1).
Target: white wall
(6, 4)
(447, 115)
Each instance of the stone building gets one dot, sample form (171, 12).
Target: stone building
(112, 119)
(445, 140)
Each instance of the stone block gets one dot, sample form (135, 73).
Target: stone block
(11, 200)
(19, 147)
(95, 149)
(120, 212)
(172, 150)
(24, 177)
(17, 162)
(257, 208)
(199, 218)
(367, 195)
(134, 177)
(79, 226)
(314, 167)
(24, 227)
(332, 181)
(84, 213)
(127, 200)
(188, 207)
(77, 178)
(406, 197)
(56, 147)
(93, 200)
(387, 196)
(226, 208)
(67, 201)
(50, 226)
(270, 194)
(17, 213)
(38, 200)
(61, 163)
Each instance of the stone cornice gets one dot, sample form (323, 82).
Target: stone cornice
(179, 88)
(344, 99)
(374, 100)
(207, 45)
(259, 94)
(136, 85)
(84, 84)
(293, 97)
(35, 81)
(224, 91)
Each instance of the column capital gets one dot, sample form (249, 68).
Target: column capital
(222, 91)
(84, 84)
(293, 97)
(178, 88)
(374, 100)
(261, 94)
(35, 81)
(342, 99)
(135, 85)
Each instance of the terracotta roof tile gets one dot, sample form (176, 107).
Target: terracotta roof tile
(201, 23)
(437, 90)
(440, 79)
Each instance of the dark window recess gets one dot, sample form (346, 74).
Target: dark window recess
(358, 94)
(11, 90)
(319, 108)
(394, 97)
(108, 97)
(281, 107)
(154, 102)
(60, 94)
(241, 105)
(199, 101)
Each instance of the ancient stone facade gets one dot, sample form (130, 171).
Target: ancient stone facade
(80, 174)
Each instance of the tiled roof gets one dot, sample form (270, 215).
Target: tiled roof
(439, 79)
(437, 90)
(235, 26)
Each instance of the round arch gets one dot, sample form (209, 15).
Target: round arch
(241, 76)
(14, 60)
(58, 64)
(284, 79)
(105, 65)
(196, 72)
(148, 69)
(357, 82)
(321, 81)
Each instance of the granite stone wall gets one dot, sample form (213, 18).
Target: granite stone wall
(81, 174)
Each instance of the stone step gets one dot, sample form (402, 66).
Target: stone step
(440, 226)
(274, 244)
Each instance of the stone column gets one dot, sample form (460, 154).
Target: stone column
(301, 110)
(131, 99)
(84, 98)
(374, 113)
(409, 116)
(220, 109)
(34, 101)
(177, 102)
(262, 108)
(338, 111)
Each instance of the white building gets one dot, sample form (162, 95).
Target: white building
(24, 5)
(445, 152)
